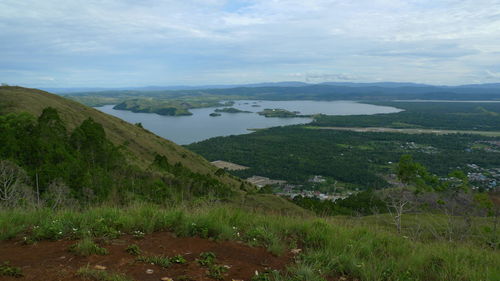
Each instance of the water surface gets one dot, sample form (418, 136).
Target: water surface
(200, 126)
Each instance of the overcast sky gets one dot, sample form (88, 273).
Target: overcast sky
(112, 43)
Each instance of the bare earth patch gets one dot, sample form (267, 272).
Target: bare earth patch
(52, 261)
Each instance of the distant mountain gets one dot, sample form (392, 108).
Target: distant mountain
(489, 86)
(173, 88)
(376, 84)
(285, 84)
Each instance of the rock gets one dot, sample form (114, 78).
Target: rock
(166, 279)
(296, 251)
(149, 271)
(100, 267)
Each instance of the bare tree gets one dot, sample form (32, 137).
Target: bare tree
(58, 194)
(13, 181)
(399, 201)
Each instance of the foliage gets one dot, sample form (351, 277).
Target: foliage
(83, 167)
(171, 107)
(432, 115)
(355, 159)
(206, 258)
(362, 203)
(100, 275)
(7, 270)
(162, 261)
(216, 271)
(366, 248)
(87, 247)
(133, 249)
(178, 259)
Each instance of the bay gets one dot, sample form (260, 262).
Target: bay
(201, 126)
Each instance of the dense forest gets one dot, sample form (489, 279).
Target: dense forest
(295, 153)
(434, 115)
(44, 162)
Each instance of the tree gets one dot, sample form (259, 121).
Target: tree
(58, 194)
(401, 199)
(12, 180)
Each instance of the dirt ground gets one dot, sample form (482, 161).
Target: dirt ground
(51, 261)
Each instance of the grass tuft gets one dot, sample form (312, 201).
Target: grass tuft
(162, 261)
(8, 270)
(133, 249)
(87, 247)
(100, 275)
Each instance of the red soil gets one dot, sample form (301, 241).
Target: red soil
(51, 261)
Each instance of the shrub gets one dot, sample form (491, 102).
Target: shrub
(133, 250)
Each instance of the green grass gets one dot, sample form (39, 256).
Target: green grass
(87, 247)
(7, 270)
(100, 275)
(133, 250)
(216, 271)
(162, 261)
(141, 145)
(363, 250)
(206, 258)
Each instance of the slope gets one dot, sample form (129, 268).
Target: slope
(141, 144)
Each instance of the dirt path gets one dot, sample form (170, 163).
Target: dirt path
(51, 261)
(407, 131)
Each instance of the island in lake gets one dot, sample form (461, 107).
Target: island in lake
(231, 110)
(214, 114)
(168, 107)
(279, 112)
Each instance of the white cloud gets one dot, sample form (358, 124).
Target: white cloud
(443, 42)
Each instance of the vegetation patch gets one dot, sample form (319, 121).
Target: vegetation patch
(87, 247)
(133, 249)
(162, 261)
(216, 271)
(100, 275)
(7, 270)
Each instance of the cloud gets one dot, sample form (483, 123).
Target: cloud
(239, 41)
(492, 74)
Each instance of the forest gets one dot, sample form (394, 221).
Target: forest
(44, 163)
(295, 153)
(431, 115)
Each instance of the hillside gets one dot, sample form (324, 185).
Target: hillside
(141, 144)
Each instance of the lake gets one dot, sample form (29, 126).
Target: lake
(201, 126)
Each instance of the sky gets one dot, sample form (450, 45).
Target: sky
(129, 43)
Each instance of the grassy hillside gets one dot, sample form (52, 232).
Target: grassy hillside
(320, 249)
(141, 144)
